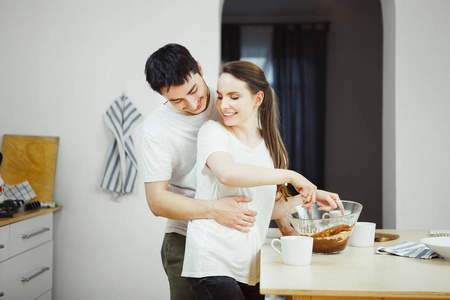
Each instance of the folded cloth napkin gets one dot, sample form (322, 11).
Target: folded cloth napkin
(121, 168)
(409, 249)
(21, 191)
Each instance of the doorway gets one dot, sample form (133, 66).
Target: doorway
(353, 116)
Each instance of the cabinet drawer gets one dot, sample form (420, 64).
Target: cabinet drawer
(4, 243)
(46, 296)
(30, 233)
(29, 275)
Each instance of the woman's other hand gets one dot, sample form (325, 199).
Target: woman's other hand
(328, 201)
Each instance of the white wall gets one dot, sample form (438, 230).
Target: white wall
(62, 63)
(416, 130)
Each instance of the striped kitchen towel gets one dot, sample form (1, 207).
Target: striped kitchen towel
(409, 249)
(21, 191)
(121, 167)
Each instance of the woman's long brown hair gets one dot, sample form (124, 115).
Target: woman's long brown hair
(268, 115)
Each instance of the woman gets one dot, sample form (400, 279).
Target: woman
(242, 155)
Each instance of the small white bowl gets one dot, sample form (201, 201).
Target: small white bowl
(440, 245)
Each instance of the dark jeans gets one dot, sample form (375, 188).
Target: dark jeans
(223, 288)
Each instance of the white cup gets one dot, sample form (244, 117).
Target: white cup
(296, 250)
(363, 234)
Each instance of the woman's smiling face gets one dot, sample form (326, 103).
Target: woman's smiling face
(235, 102)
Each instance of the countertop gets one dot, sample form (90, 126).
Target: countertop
(26, 215)
(358, 272)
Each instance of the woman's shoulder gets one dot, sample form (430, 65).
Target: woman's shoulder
(212, 128)
(213, 125)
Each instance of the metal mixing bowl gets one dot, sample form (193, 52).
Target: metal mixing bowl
(330, 230)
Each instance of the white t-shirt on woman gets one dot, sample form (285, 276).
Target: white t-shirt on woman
(211, 248)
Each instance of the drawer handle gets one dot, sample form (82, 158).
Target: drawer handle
(27, 236)
(1, 247)
(26, 279)
(2, 294)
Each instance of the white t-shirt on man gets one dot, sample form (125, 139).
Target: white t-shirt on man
(169, 151)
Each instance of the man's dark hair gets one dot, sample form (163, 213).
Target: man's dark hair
(169, 66)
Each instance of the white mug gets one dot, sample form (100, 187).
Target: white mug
(363, 234)
(296, 250)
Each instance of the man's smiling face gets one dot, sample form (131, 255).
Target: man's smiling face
(190, 98)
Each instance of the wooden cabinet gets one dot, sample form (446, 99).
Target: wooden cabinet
(26, 258)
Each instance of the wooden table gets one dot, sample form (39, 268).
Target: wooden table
(358, 273)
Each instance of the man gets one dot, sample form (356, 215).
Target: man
(169, 148)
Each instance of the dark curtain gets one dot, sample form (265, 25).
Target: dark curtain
(231, 42)
(299, 80)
